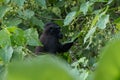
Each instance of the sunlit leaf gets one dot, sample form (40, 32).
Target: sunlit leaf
(18, 54)
(84, 74)
(117, 20)
(18, 37)
(42, 3)
(32, 37)
(6, 1)
(19, 2)
(4, 38)
(89, 34)
(56, 11)
(3, 10)
(26, 14)
(69, 18)
(12, 22)
(103, 21)
(6, 54)
(94, 21)
(11, 29)
(84, 7)
(110, 1)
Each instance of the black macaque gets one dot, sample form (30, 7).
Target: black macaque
(50, 40)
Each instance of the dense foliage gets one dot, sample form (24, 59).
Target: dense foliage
(94, 22)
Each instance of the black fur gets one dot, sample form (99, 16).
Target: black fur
(50, 40)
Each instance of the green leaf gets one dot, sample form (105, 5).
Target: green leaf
(42, 3)
(4, 38)
(94, 21)
(3, 72)
(84, 7)
(12, 22)
(56, 10)
(69, 18)
(26, 14)
(6, 54)
(32, 37)
(3, 10)
(37, 22)
(110, 1)
(11, 29)
(1, 0)
(117, 22)
(104, 19)
(6, 1)
(89, 34)
(109, 65)
(17, 37)
(45, 67)
(20, 3)
(18, 54)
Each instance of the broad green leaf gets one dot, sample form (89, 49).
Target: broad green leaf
(11, 29)
(12, 22)
(18, 54)
(42, 3)
(43, 67)
(6, 1)
(1, 0)
(32, 37)
(104, 19)
(6, 54)
(109, 65)
(89, 34)
(4, 38)
(118, 26)
(56, 10)
(26, 14)
(3, 10)
(61, 3)
(19, 2)
(110, 1)
(69, 18)
(3, 72)
(17, 37)
(84, 7)
(37, 22)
